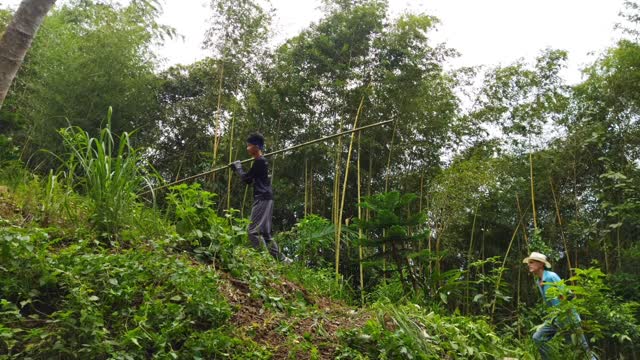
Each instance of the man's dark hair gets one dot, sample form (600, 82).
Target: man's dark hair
(256, 139)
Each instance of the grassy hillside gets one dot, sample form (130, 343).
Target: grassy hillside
(68, 291)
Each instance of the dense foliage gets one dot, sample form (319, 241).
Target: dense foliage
(432, 213)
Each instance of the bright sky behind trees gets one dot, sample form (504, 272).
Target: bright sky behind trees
(486, 32)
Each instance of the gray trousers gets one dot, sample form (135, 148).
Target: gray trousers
(260, 226)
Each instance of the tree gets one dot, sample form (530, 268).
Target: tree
(238, 34)
(520, 100)
(17, 39)
(88, 56)
(401, 232)
(319, 77)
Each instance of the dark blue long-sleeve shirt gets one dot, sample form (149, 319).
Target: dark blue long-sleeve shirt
(259, 176)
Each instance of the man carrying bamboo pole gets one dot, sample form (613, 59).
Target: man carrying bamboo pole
(545, 279)
(262, 208)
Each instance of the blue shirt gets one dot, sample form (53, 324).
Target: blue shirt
(548, 277)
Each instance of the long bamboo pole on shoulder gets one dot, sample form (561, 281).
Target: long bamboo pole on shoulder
(193, 177)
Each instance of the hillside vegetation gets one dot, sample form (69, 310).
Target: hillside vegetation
(407, 238)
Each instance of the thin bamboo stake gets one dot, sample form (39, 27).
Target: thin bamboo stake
(216, 128)
(605, 247)
(229, 174)
(393, 135)
(482, 255)
(439, 233)
(473, 229)
(269, 154)
(344, 186)
(184, 153)
(421, 192)
(273, 168)
(336, 203)
(336, 186)
(306, 199)
(518, 292)
(577, 208)
(504, 262)
(533, 197)
(524, 232)
(526, 240)
(619, 248)
(244, 199)
(311, 192)
(360, 254)
(564, 239)
(336, 189)
(420, 207)
(386, 189)
(367, 213)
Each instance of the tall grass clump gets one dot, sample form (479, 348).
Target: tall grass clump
(412, 332)
(107, 169)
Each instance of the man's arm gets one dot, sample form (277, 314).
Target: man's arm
(257, 168)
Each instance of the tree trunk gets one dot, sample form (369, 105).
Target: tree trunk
(17, 39)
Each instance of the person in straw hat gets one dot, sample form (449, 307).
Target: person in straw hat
(538, 265)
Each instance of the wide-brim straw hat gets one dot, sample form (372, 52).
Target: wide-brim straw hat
(538, 257)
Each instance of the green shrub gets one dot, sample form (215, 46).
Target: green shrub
(603, 316)
(409, 332)
(217, 343)
(311, 242)
(389, 290)
(27, 275)
(109, 171)
(320, 282)
(192, 210)
(399, 232)
(88, 303)
(14, 174)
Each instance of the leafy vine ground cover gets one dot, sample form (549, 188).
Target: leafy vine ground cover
(67, 294)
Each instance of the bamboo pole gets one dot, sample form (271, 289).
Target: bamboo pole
(306, 187)
(336, 188)
(577, 207)
(386, 189)
(360, 252)
(605, 248)
(244, 199)
(336, 203)
(311, 191)
(518, 293)
(273, 168)
(564, 239)
(420, 206)
(504, 262)
(268, 154)
(533, 197)
(473, 229)
(393, 135)
(619, 248)
(482, 255)
(421, 192)
(524, 231)
(344, 186)
(216, 128)
(184, 153)
(229, 174)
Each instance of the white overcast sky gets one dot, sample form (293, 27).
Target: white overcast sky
(486, 32)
